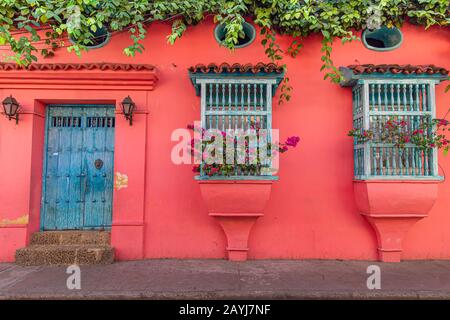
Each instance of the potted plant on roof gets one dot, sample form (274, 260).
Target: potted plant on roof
(235, 174)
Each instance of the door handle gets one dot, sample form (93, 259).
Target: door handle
(98, 163)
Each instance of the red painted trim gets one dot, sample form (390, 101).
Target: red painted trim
(79, 78)
(100, 66)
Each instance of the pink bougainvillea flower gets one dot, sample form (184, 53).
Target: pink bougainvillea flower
(213, 171)
(292, 141)
(442, 122)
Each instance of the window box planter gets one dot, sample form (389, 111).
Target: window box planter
(392, 207)
(236, 205)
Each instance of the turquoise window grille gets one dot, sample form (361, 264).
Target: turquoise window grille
(236, 99)
(379, 97)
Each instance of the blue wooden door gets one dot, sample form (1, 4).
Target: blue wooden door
(78, 168)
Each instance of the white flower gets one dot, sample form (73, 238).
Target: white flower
(74, 20)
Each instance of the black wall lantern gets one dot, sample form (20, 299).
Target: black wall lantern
(128, 106)
(11, 108)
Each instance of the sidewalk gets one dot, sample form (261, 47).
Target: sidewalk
(219, 279)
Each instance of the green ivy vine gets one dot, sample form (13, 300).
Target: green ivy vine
(21, 21)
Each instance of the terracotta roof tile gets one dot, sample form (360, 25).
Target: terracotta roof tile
(236, 67)
(396, 69)
(77, 66)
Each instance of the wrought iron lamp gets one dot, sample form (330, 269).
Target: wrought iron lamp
(128, 107)
(11, 108)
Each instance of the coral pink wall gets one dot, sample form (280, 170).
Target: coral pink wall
(311, 213)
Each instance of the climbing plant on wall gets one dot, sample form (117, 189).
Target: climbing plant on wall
(31, 26)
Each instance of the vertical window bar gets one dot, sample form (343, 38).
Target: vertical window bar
(230, 107)
(425, 163)
(394, 160)
(223, 103)
(425, 97)
(371, 101)
(405, 108)
(236, 104)
(243, 106)
(374, 161)
(417, 102)
(239, 97)
(379, 97)
(411, 105)
(387, 154)
(210, 97)
(419, 157)
(261, 89)
(202, 114)
(385, 87)
(380, 150)
(222, 107)
(268, 107)
(354, 101)
(249, 103)
(391, 87)
(407, 167)
(211, 103)
(254, 96)
(430, 162)
(217, 104)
